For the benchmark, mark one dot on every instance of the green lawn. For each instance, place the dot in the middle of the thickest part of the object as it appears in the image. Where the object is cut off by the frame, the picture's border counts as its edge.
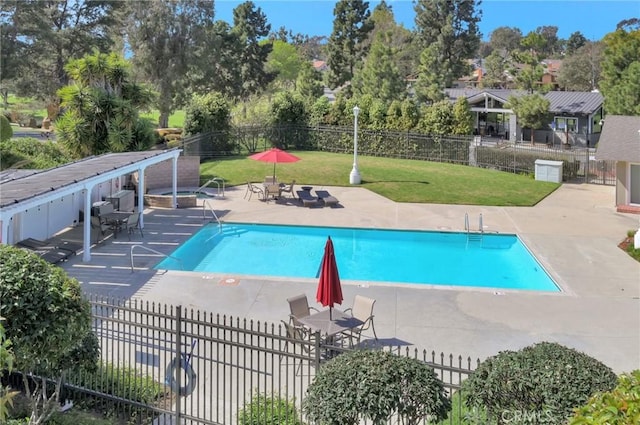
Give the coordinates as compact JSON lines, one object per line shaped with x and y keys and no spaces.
{"x":175,"y":120}
{"x":397,"y":179}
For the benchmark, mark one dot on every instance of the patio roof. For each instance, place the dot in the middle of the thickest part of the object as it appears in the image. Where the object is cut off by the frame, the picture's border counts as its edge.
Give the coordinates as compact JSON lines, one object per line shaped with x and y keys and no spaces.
{"x":21,"y":189}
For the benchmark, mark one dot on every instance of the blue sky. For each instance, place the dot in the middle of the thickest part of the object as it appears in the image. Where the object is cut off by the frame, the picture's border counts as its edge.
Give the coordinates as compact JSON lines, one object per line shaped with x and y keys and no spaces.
{"x":593,"y":18}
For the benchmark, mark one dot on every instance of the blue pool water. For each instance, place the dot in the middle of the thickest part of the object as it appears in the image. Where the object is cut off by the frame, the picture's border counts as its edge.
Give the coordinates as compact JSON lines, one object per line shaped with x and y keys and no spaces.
{"x":417,"y":257}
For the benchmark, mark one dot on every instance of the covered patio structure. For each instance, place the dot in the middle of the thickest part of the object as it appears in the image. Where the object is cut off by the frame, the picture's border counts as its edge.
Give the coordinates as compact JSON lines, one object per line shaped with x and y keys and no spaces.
{"x":41,"y":203}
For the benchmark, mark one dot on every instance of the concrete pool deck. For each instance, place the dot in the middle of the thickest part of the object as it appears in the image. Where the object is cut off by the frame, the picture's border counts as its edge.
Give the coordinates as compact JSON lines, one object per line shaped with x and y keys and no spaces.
{"x":574,"y":234}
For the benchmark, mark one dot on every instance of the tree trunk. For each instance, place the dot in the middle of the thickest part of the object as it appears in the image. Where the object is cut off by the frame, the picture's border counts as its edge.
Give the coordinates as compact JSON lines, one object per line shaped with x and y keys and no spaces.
{"x":5,"y":98}
{"x":163,"y":120}
{"x":532,"y":134}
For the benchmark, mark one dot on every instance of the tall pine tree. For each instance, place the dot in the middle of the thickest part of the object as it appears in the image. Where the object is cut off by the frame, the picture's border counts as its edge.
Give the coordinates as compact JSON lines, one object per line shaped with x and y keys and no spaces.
{"x":448,"y":33}
{"x":379,"y":77}
{"x":345,"y":48}
{"x":250,"y":25}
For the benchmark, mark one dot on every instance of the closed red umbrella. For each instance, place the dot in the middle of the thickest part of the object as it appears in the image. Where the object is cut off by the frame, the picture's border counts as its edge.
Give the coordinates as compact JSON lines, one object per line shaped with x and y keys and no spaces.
{"x":329,"y":288}
{"x":276,"y":156}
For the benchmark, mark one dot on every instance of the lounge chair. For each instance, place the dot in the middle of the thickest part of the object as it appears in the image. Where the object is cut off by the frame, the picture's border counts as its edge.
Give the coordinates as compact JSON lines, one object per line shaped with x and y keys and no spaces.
{"x":251,"y":189}
{"x":299,"y":307}
{"x":62,"y":245}
{"x":50,"y":254}
{"x":362,"y":310}
{"x":306,"y":198}
{"x":326,"y":197}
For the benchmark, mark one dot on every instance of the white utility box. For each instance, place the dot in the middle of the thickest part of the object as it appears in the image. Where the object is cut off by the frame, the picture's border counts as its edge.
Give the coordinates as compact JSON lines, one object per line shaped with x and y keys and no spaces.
{"x":123,"y":200}
{"x":549,"y":171}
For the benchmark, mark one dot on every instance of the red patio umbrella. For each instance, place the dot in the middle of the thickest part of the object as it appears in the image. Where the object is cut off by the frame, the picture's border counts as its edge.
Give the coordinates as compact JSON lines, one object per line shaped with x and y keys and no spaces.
{"x":276,"y":156}
{"x":329,"y":288}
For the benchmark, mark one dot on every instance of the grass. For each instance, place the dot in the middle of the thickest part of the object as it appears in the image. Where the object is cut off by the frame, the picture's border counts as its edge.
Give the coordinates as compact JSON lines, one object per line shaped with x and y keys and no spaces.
{"x":175,"y":120}
{"x":30,"y":107}
{"x":397,"y":179}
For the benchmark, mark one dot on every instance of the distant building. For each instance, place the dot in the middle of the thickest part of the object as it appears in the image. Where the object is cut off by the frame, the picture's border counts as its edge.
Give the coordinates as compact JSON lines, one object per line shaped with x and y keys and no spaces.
{"x":575,"y":117}
{"x":320,"y":65}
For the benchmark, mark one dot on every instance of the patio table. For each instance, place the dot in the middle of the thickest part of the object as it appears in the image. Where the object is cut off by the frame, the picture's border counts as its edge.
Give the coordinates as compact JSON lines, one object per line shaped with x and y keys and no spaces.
{"x":116,"y":219}
{"x":339,"y":322}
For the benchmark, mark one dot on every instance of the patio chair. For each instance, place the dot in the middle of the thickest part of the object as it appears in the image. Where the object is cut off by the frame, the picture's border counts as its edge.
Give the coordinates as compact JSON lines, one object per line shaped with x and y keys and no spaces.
{"x":288,"y":188}
{"x":362,"y":310}
{"x":100,"y":226}
{"x":133,"y":223}
{"x":251,"y":189}
{"x":270,"y":180}
{"x":299,"y":307}
{"x":271,"y":191}
{"x":300,"y":339}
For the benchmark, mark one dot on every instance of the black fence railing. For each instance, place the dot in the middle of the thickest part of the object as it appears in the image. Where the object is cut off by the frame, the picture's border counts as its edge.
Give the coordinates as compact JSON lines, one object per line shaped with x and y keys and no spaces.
{"x":167,"y":364}
{"x":578,"y":163}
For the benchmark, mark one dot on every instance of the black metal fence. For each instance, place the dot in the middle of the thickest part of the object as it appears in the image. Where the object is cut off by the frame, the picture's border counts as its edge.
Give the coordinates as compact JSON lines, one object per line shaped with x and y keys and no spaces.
{"x":164,"y":364}
{"x":579,"y":163}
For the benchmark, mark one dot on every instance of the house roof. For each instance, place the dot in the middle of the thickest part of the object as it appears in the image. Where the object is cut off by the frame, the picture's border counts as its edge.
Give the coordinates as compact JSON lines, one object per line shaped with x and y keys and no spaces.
{"x":561,"y":102}
{"x":574,"y":102}
{"x":620,"y":139}
{"x":31,"y":186}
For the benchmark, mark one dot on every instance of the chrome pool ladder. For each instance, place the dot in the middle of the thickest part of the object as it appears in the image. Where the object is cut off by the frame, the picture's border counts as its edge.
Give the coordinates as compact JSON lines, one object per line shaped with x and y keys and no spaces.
{"x":473,"y":236}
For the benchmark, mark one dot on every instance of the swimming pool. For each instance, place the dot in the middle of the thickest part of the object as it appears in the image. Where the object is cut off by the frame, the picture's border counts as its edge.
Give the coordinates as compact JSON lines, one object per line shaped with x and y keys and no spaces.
{"x":375,"y":255}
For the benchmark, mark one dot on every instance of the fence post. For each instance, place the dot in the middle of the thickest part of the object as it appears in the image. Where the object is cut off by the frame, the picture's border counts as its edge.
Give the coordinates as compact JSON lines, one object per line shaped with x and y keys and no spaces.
{"x":178,"y":409}
{"x":317,"y":350}
{"x":587,"y":165}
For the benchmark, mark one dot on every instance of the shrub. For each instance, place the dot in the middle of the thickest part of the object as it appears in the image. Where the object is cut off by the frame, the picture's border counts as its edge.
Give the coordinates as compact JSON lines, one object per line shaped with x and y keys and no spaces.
{"x":541,"y":383}
{"x":48,"y":322}
{"x":206,"y":114}
{"x":374,"y":385}
{"x":619,"y":406}
{"x":6,"y":132}
{"x":32,"y":153}
{"x":121,"y":381}
{"x":264,"y":409}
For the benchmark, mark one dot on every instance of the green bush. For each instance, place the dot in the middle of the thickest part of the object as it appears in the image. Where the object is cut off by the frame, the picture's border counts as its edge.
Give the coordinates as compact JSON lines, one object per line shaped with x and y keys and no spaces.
{"x":121,"y":382}
{"x":620,"y":406}
{"x":541,"y":383}
{"x":48,"y":322}
{"x":206,"y":114}
{"x":6,"y":132}
{"x":32,"y":153}
{"x":265,"y":409}
{"x":373,"y":385}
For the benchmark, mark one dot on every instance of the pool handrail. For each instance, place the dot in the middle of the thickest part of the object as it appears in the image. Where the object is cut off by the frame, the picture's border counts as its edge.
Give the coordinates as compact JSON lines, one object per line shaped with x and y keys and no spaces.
{"x":205,"y":204}
{"x":217,"y":181}
{"x":155,"y":252}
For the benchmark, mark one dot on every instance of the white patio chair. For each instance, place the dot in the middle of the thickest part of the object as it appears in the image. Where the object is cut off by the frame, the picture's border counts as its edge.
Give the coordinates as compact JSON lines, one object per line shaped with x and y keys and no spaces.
{"x":251,"y":189}
{"x":362,"y":310}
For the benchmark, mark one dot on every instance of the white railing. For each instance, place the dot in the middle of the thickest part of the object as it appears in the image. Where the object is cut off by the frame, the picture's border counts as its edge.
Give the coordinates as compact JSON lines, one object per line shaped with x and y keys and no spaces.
{"x":155,"y":252}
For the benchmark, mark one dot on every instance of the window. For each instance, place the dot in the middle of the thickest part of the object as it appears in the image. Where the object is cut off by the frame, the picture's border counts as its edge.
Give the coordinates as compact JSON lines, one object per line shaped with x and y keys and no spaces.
{"x":568,"y":124}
